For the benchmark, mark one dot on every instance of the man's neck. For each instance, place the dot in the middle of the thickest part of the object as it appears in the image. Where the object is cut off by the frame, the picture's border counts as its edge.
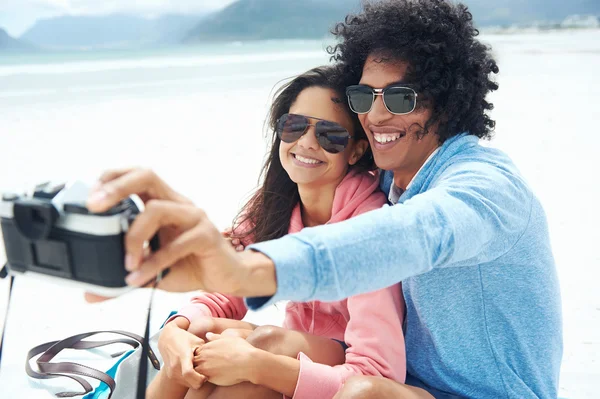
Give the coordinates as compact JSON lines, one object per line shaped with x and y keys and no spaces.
{"x":316,"y":203}
{"x":404,"y":176}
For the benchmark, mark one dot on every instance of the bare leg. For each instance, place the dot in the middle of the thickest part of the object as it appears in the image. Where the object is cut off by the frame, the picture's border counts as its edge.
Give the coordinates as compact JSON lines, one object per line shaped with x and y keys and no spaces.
{"x":287,"y":343}
{"x":218,"y":325}
{"x":227,"y":324}
{"x":281,"y":341}
{"x":202,"y":393}
{"x":379,"y":388}
{"x":163,"y":387}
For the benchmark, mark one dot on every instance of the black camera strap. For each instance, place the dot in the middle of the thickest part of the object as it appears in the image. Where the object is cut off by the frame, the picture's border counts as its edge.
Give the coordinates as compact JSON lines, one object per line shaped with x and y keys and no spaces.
{"x":143,"y":369}
{"x":4,"y":274}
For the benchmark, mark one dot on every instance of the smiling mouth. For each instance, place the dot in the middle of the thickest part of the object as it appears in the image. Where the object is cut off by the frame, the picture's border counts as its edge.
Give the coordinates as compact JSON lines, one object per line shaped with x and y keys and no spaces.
{"x":388,"y":138}
{"x":306,"y":160}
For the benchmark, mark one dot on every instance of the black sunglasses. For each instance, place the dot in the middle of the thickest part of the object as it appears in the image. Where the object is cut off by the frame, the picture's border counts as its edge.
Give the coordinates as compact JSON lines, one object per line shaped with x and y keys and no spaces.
{"x":398,"y":99}
{"x":332,"y":137}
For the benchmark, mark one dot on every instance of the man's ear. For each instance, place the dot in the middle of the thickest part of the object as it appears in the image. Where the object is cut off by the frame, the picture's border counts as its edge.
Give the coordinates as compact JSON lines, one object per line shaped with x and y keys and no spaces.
{"x":360,"y":147}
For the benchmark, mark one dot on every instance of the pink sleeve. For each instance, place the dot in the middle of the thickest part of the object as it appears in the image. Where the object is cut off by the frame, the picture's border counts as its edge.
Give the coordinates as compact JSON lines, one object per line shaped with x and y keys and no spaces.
{"x":214,"y":305}
{"x":376,"y":346}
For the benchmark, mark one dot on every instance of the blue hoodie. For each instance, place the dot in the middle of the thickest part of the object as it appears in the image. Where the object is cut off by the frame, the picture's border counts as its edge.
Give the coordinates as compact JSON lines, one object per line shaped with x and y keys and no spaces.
{"x":470,"y":243}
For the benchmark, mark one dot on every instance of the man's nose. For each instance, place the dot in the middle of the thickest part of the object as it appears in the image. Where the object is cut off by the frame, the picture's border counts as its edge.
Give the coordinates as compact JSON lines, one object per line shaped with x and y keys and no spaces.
{"x":379,"y":113}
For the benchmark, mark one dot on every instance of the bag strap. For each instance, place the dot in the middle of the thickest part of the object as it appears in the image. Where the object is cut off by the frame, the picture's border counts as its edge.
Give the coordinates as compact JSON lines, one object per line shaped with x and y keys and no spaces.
{"x":50,"y":350}
{"x":76,"y":342}
{"x":65,"y":370}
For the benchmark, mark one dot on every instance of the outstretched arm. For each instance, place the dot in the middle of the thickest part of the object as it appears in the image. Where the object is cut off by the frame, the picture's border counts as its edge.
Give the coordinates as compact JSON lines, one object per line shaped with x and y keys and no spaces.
{"x":474,"y":213}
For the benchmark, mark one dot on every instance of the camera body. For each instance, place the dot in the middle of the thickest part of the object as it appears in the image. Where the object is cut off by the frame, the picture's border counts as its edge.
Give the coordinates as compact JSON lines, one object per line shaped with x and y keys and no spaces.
{"x":51,"y":234}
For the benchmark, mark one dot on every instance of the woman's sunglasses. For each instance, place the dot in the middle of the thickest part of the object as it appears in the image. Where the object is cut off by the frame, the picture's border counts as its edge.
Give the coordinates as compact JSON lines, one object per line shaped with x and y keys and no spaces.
{"x":399,"y":100}
{"x":332,"y":137}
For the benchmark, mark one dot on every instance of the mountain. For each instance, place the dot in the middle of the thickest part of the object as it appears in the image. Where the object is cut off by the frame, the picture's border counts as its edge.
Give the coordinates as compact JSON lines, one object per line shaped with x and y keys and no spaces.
{"x":8,"y":43}
{"x":283,"y":19}
{"x":272,"y":19}
{"x":109,"y":31}
{"x":267,"y":19}
{"x":519,"y":12}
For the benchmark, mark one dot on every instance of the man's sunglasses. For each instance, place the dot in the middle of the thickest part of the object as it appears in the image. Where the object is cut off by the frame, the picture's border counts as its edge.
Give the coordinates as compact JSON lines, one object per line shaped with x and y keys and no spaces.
{"x":332,"y":137}
{"x":398,"y":99}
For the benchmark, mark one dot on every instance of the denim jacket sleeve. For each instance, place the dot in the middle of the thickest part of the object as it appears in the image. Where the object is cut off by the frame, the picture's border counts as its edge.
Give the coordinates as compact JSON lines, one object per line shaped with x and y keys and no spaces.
{"x":472,"y":213}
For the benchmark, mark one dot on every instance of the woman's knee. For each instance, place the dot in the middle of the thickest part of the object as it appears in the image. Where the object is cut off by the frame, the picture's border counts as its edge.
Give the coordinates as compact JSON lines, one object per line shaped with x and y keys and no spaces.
{"x":359,"y":387}
{"x":268,"y":338}
{"x":236,"y":332}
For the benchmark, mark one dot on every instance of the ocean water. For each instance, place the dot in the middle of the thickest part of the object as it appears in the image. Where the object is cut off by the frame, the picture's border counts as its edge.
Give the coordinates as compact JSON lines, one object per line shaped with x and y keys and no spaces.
{"x":197,"y":116}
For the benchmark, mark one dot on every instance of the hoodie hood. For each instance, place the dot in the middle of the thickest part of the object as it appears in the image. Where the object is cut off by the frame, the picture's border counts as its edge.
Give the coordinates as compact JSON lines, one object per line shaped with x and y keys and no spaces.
{"x":352,"y":196}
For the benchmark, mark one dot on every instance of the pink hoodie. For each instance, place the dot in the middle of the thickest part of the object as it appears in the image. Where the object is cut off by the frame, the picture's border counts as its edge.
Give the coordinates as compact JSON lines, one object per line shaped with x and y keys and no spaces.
{"x":370,"y":324}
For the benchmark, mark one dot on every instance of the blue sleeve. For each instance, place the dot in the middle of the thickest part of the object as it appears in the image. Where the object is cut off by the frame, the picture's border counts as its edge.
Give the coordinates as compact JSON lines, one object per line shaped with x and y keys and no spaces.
{"x":473,"y":213}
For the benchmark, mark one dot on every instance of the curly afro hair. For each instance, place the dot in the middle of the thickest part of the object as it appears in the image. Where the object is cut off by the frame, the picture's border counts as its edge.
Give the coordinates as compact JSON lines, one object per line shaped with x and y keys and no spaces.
{"x":447,"y":65}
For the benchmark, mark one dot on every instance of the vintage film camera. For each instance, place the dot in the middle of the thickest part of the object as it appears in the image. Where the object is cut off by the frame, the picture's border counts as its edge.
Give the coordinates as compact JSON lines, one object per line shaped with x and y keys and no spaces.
{"x":50,"y":234}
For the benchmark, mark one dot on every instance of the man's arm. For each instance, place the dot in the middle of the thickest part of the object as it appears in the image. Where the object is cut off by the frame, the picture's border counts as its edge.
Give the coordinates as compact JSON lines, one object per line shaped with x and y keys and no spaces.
{"x":473,"y":214}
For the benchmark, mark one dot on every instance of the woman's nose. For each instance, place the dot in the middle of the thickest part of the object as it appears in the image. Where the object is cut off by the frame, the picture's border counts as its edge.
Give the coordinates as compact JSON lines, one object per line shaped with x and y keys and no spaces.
{"x":309,"y":139}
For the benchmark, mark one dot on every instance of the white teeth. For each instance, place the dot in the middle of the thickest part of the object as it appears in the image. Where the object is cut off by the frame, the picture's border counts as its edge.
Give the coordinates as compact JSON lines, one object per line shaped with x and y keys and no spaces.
{"x":386,"y":138}
{"x":307,"y":160}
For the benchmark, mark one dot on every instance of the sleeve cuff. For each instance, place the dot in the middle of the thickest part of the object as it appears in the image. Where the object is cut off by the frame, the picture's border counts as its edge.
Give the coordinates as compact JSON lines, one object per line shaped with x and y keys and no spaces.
{"x":191,"y":311}
{"x":316,"y":380}
{"x":295,"y":271}
{"x":194,"y":310}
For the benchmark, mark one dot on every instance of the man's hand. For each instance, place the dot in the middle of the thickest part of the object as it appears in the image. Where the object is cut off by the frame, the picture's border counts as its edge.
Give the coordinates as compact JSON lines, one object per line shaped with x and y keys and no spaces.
{"x":235,"y":242}
{"x":196,"y":252}
{"x":225,"y":360}
{"x":177,"y":346}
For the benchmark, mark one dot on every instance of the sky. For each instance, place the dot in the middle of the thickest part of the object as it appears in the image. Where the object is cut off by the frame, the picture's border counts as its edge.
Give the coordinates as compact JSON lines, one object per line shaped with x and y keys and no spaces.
{"x":16,"y":16}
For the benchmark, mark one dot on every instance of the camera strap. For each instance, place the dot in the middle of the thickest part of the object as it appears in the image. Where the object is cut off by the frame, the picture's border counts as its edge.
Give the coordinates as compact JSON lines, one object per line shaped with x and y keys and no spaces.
{"x":4,"y":274}
{"x":143,"y":369}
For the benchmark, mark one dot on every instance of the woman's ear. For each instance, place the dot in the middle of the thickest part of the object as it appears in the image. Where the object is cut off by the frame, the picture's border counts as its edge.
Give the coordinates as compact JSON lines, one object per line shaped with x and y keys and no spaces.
{"x":360,"y":147}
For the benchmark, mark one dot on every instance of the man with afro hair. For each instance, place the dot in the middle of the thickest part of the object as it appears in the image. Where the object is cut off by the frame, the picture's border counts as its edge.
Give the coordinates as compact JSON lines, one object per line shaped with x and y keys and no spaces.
{"x":466,"y":235}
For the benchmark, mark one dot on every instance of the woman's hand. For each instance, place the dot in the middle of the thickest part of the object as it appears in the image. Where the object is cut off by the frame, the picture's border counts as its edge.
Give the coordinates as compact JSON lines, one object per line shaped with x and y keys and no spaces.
{"x":196,"y":252}
{"x":200,"y":325}
{"x":177,"y":347}
{"x":226,"y":360}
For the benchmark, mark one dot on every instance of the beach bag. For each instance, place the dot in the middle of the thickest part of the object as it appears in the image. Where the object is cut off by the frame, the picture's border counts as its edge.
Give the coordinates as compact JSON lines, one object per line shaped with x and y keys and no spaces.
{"x":123,"y":379}
{"x":126,"y":375}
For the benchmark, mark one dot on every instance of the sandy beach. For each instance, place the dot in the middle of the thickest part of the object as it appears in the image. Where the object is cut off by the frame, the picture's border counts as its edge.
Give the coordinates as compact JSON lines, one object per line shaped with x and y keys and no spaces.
{"x":199,"y":122}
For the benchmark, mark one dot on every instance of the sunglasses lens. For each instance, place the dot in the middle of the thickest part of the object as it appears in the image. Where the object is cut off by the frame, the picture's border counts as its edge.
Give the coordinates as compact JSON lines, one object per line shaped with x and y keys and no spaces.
{"x":360,"y":99}
{"x":291,"y":127}
{"x":400,"y":100}
{"x":333,"y":138}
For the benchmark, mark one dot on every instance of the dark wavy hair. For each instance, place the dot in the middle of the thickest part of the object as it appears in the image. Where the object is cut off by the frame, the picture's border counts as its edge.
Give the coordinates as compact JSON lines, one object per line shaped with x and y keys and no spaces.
{"x":447,"y":65}
{"x":267,"y":214}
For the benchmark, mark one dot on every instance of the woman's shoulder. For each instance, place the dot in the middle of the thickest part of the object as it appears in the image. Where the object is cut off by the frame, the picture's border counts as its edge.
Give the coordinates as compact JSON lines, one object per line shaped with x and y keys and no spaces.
{"x":360,"y":190}
{"x":376,"y":200}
